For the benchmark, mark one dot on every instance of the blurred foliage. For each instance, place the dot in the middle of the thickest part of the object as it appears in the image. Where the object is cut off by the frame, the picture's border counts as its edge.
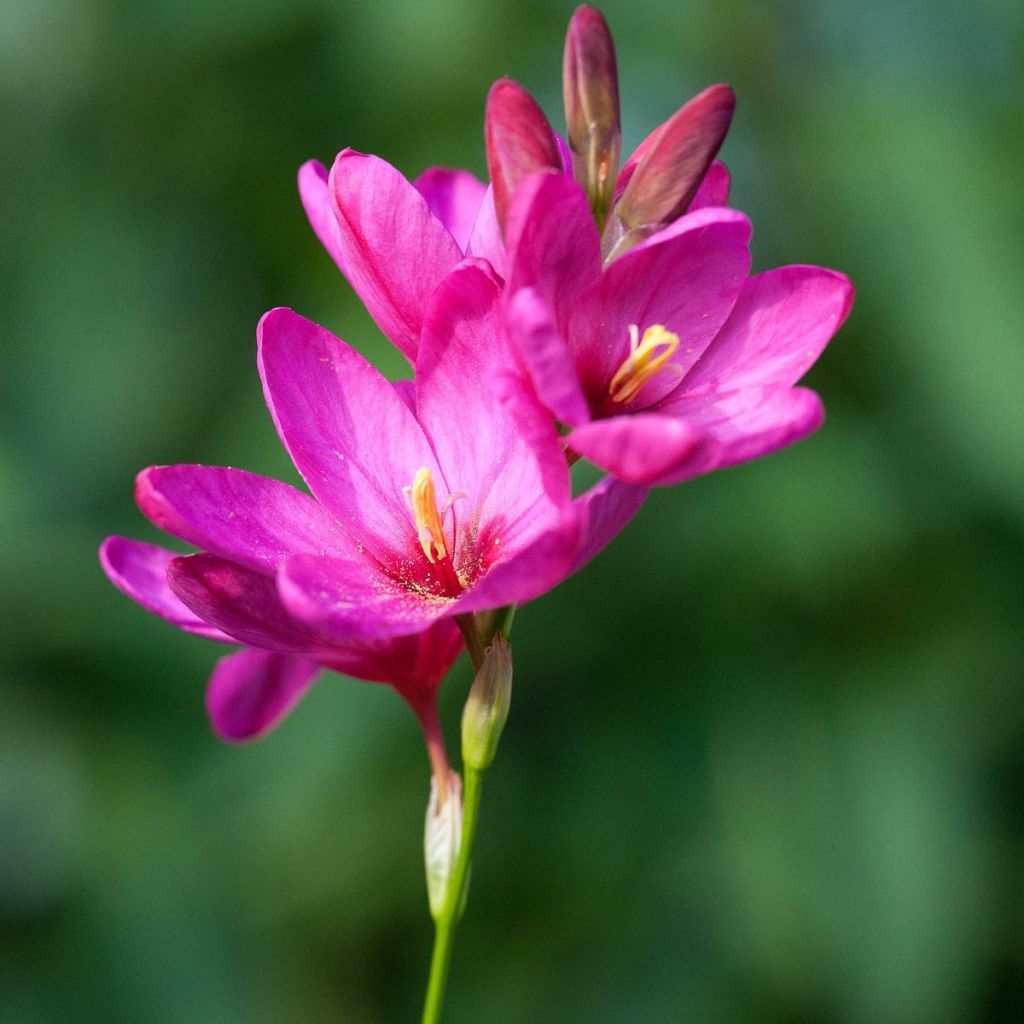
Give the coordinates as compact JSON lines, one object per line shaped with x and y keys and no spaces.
{"x":765,"y":757}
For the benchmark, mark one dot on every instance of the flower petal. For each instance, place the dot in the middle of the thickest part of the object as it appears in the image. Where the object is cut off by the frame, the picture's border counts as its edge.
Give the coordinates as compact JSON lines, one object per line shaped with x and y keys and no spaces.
{"x":686,"y":278}
{"x":316,"y":201}
{"x":781,"y":322}
{"x":742,"y":425}
{"x":355,"y":442}
{"x":340,"y":598}
{"x":140,"y":571}
{"x":251,"y":692}
{"x":639,"y":448}
{"x":485,"y":240}
{"x":543,"y":349}
{"x":394,"y":250}
{"x":249,"y":519}
{"x":714,"y":189}
{"x":533,"y":570}
{"x":514,"y":485}
{"x":553,"y":245}
{"x":606,"y":509}
{"x":454,"y":198}
{"x":244,"y":604}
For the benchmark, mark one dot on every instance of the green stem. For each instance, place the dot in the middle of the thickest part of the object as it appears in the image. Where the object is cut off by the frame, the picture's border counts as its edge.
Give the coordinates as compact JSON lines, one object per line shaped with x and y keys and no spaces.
{"x":470,"y":633}
{"x":455,"y":900}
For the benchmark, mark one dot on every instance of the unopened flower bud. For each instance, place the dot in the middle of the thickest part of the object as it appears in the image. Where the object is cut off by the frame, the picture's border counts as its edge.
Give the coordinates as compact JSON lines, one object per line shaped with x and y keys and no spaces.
{"x":675,"y":160}
{"x":442,"y":837}
{"x":483,"y":717}
{"x":590,"y":86}
{"x":519,"y":141}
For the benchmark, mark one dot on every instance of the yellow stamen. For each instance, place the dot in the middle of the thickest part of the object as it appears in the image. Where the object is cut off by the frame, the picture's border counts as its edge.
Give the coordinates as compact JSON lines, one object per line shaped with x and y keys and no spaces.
{"x":646,"y":357}
{"x":423,"y":499}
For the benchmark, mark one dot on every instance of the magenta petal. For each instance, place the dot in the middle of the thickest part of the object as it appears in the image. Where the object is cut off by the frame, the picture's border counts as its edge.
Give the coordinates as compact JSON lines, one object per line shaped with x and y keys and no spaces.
{"x":532,"y":331}
{"x":251,"y":692}
{"x":535,"y":568}
{"x":406,"y":391}
{"x":140,"y":571}
{"x":517,"y":397}
{"x":355,"y":442}
{"x":639,"y":448}
{"x":454,"y":198}
{"x":553,"y":245}
{"x":350,"y":604}
{"x":714,"y":189}
{"x":605,"y":510}
{"x":394,"y":249}
{"x":509,"y":479}
{"x":244,"y":604}
{"x":485,"y":240}
{"x":743,"y":425}
{"x":777,"y":329}
{"x":316,"y":201}
{"x":249,"y":519}
{"x":686,"y":278}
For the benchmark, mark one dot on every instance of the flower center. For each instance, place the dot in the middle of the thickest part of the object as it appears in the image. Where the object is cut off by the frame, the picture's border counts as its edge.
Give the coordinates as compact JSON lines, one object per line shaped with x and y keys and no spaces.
{"x":647,"y":355}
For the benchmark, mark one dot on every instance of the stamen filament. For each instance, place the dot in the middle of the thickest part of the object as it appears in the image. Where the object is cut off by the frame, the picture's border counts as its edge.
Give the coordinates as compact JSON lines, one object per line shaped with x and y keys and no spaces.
{"x":646,"y":357}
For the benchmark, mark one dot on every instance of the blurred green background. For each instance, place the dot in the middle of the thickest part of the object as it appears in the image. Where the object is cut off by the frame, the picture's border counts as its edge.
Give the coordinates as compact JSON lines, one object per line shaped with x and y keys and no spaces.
{"x":766,"y":756}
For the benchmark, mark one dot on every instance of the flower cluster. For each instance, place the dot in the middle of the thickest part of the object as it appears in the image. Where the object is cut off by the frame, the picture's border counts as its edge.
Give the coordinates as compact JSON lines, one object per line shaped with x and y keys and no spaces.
{"x":571,"y":309}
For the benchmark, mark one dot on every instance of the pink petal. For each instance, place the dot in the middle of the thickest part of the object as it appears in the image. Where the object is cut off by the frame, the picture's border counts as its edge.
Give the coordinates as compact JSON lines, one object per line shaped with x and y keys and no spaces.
{"x":606,"y":510}
{"x":777,"y":329}
{"x":714,"y":189}
{"x":517,"y":397}
{"x":535,"y":568}
{"x":249,"y":519}
{"x":244,"y":604}
{"x":553,"y":245}
{"x":743,"y":425}
{"x":639,"y":448}
{"x":512,"y":484}
{"x":343,"y":600}
{"x":454,"y":198}
{"x":140,"y":571}
{"x":316,"y":201}
{"x":686,"y":278}
{"x":532,"y":331}
{"x":486,"y":241}
{"x":251,"y":692}
{"x":393,"y":248}
{"x":406,"y":391}
{"x":355,"y":442}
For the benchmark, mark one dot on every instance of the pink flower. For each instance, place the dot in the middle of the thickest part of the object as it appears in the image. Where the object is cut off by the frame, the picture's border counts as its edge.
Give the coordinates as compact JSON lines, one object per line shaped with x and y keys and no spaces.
{"x":449,"y":509}
{"x":426,"y":504}
{"x":668,"y":361}
{"x":250,"y":692}
{"x":395,"y":240}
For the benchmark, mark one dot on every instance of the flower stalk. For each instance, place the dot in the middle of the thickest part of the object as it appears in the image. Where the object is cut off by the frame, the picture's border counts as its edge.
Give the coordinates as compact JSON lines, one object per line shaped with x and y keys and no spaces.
{"x":448,"y":838}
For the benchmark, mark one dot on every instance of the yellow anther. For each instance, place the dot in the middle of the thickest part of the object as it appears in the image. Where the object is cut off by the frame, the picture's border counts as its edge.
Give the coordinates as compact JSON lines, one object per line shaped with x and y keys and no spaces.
{"x":647,"y":355}
{"x":423,"y":499}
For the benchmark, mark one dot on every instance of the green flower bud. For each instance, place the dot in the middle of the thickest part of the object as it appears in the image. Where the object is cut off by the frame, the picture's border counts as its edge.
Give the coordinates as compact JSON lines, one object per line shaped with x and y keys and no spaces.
{"x":442,"y":837}
{"x":486,"y":708}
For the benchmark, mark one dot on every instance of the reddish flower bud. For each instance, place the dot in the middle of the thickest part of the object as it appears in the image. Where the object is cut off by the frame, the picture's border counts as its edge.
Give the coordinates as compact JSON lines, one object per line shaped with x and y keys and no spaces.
{"x":519,"y":141}
{"x":674,"y":163}
{"x":590,"y":86}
